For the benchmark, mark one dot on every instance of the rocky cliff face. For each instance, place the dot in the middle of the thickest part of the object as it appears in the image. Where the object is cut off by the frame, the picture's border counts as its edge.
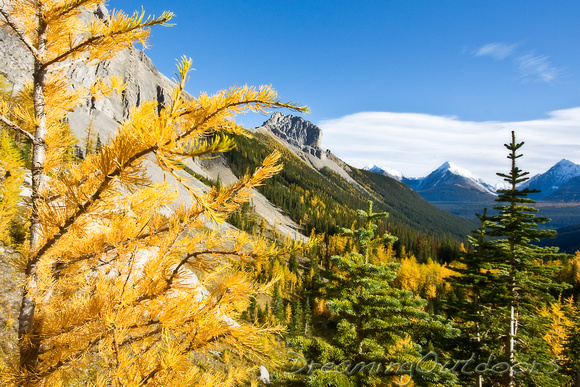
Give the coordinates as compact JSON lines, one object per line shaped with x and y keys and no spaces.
{"x":143,"y":82}
{"x":296,"y":131}
{"x":303,"y":138}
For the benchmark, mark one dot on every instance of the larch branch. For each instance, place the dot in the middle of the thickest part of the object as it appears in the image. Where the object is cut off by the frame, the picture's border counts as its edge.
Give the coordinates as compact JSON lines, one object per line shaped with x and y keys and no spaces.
{"x":110,"y":34}
{"x":64,"y":265}
{"x":21,"y":35}
{"x":72,"y":50}
{"x":82,"y":209}
{"x":102,"y":187}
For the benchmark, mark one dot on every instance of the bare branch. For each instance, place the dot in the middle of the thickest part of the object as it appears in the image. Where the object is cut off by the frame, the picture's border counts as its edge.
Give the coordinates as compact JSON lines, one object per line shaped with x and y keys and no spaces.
{"x":195,"y":254}
{"x":66,"y":65}
{"x":16,"y":128}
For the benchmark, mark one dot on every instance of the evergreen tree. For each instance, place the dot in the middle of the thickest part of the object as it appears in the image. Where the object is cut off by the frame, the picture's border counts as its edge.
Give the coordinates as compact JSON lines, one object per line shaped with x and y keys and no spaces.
{"x":295,"y":326}
{"x":293,"y":264}
{"x":277,"y":303}
{"x":78,"y":152}
{"x":307,"y":316}
{"x":376,"y":322}
{"x":521,"y":278}
{"x":98,"y":144}
{"x":571,"y":351}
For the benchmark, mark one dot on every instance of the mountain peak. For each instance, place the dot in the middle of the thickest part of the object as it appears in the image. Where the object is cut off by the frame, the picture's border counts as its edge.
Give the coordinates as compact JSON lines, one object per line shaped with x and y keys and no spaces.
{"x":565,"y":163}
{"x":296,"y":131}
{"x":456,"y":170}
{"x":449,"y":174}
{"x":385,"y":171}
{"x":446,"y":165}
{"x":551,"y":180}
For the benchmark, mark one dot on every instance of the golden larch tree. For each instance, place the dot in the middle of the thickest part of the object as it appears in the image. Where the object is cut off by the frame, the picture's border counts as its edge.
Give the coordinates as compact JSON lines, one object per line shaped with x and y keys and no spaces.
{"x":123,"y":285}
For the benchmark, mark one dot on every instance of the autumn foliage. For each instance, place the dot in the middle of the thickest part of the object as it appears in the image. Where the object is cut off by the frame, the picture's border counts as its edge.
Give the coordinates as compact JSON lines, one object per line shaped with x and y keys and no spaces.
{"x":125,"y":285}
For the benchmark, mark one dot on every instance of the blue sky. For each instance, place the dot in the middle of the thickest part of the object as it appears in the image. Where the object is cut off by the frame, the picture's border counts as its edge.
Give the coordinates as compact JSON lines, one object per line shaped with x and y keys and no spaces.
{"x":402,"y":84}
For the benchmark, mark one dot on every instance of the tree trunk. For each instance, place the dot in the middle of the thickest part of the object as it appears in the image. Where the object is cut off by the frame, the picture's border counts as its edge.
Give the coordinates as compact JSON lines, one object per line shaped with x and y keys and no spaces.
{"x":359,"y":336}
{"x":29,"y":348}
{"x":511,"y":345}
{"x":479,"y":377}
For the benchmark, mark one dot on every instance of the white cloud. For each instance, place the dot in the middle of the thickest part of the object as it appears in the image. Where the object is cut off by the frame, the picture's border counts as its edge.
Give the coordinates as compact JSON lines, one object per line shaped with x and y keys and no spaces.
{"x":415,"y":144}
{"x":531,"y":67}
{"x":498,"y":51}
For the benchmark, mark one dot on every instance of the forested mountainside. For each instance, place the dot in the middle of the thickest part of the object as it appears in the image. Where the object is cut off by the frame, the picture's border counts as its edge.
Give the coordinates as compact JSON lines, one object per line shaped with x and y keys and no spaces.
{"x":323,"y":201}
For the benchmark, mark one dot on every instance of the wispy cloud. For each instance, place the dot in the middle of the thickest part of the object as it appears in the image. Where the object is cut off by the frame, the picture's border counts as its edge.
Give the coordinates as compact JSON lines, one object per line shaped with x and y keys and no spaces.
{"x":415,"y":144}
{"x":498,"y":51}
{"x":534,"y":67}
{"x":531,"y":67}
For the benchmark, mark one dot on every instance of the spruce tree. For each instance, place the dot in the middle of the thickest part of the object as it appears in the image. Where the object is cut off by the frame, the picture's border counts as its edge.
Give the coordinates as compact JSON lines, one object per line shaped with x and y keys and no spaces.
{"x":98,"y":144}
{"x":293,"y":264}
{"x":571,"y":362}
{"x":523,"y":278}
{"x":377,"y":322}
{"x":277,"y":303}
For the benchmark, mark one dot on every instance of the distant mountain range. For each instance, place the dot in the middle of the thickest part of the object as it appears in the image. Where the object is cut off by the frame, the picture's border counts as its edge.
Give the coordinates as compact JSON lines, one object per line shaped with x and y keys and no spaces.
{"x":460,"y":192}
{"x":449,"y":187}
{"x":561,"y":183}
{"x":447,"y":174}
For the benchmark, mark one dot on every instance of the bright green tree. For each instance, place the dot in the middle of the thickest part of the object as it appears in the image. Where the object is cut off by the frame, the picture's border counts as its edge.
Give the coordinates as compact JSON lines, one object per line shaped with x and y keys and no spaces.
{"x":522,"y":276}
{"x":376,"y":323}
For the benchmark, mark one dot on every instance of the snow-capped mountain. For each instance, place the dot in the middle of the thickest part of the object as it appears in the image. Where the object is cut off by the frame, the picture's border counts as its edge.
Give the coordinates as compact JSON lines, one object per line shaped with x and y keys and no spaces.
{"x":451,"y":174}
{"x":460,"y":192}
{"x":449,"y":187}
{"x":563,"y":176}
{"x":385,"y":171}
{"x":447,"y":174}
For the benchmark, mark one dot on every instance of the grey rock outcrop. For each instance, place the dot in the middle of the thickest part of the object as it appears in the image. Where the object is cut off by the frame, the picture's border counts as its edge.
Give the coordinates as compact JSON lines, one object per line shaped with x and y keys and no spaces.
{"x":297,"y":132}
{"x":303,"y":139}
{"x":143,"y":83}
{"x":264,"y":375}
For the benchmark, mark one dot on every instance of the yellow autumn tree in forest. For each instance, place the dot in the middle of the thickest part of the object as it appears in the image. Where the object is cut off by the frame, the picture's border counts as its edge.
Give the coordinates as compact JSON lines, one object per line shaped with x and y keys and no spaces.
{"x":118,"y":289}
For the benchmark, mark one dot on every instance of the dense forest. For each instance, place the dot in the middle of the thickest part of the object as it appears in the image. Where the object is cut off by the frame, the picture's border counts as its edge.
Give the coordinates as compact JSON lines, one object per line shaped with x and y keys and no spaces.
{"x":324,"y":202}
{"x":358,"y":313}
